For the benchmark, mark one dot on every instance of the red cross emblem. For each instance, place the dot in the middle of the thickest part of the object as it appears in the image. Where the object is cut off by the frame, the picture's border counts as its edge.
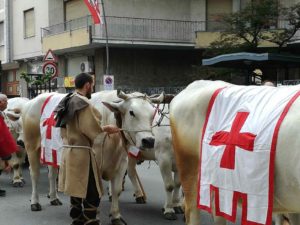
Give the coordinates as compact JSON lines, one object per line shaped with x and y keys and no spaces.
{"x":232,"y":139}
{"x":50,"y":122}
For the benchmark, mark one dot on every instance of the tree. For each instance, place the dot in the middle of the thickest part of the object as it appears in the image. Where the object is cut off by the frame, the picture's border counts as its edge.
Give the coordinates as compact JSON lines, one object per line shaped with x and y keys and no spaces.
{"x":291,"y":18}
{"x":40,"y":80}
{"x":256,"y":22}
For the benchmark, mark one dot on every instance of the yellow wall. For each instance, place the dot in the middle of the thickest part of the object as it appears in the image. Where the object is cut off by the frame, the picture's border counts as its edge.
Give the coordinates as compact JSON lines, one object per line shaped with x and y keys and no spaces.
{"x":71,"y":39}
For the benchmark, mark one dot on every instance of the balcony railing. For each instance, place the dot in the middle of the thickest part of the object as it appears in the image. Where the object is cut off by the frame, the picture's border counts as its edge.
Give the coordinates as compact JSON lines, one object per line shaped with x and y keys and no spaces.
{"x":128,"y":29}
{"x":142,"y":29}
{"x":68,"y":26}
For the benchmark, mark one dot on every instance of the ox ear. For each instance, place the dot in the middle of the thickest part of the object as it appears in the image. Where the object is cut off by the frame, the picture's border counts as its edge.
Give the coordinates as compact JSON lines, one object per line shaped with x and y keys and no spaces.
{"x":158,"y":99}
{"x":112,"y":106}
{"x":122,"y":94}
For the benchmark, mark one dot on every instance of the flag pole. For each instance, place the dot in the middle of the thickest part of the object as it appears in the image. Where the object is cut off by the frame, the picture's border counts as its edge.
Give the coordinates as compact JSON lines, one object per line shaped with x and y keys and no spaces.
{"x":106,"y":37}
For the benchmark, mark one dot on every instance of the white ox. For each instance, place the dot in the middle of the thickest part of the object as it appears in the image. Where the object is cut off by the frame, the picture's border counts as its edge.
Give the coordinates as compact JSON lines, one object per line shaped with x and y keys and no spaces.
{"x":187,"y":114}
{"x":110,"y":152}
{"x":164,"y":155}
{"x":14,"y":122}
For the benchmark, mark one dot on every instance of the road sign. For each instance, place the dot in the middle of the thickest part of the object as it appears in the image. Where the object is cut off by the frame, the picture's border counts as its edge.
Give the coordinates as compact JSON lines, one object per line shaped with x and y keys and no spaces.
{"x":50,"y":68}
{"x":50,"y":56}
{"x":108,"y":82}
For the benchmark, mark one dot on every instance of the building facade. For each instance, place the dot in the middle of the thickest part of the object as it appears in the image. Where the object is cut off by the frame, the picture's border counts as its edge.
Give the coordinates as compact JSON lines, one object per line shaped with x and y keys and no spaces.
{"x":153,"y":45}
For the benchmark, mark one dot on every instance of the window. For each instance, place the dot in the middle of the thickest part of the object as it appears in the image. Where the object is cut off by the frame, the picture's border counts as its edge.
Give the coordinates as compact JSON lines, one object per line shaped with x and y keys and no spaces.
{"x":75,"y":9}
{"x":29,"y":23}
{"x":1,"y":33}
{"x":10,"y":77}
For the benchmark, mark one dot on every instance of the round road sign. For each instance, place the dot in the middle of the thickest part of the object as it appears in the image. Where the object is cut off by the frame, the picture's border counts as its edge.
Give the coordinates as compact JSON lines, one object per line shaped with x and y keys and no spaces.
{"x":50,"y":68}
{"x":108,"y":80}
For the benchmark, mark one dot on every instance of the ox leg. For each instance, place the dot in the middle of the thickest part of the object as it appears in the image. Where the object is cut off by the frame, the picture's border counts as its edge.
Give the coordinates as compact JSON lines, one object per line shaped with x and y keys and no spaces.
{"x":189,"y":185}
{"x":34,"y":161}
{"x":52,"y":177}
{"x":217,"y":219}
{"x":109,"y":191}
{"x":16,"y":163}
{"x":294,"y":219}
{"x":177,"y":204}
{"x":116,"y":189}
{"x":278,"y":219}
{"x":165,"y":167}
{"x":132,"y":174}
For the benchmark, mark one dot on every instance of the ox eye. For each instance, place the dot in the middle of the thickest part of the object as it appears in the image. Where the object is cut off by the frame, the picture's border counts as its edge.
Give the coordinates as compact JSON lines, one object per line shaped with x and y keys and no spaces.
{"x":131,"y":113}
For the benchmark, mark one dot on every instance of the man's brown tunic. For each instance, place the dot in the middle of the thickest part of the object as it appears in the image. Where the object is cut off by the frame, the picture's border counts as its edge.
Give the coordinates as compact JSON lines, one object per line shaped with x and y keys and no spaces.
{"x":81,"y":130}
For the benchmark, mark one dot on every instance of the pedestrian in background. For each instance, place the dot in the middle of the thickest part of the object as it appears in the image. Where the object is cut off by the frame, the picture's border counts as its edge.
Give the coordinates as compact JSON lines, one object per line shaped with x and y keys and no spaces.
{"x":7,"y":142}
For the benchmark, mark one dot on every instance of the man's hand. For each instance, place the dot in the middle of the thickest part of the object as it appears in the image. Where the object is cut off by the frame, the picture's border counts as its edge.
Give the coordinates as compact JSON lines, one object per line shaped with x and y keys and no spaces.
{"x":111,"y":129}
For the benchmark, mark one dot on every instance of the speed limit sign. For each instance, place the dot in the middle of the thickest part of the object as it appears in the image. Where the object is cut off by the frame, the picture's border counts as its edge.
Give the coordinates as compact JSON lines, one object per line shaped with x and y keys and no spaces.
{"x":50,"y":68}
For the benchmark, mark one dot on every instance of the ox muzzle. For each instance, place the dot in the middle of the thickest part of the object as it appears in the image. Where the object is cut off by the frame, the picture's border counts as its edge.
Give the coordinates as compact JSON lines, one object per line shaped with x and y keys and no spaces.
{"x":148,"y":142}
{"x":21,"y":143}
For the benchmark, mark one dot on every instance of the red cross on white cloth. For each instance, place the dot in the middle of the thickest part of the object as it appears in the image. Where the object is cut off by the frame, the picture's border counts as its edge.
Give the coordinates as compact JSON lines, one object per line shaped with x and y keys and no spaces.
{"x":51,"y":142}
{"x":232,"y":139}
{"x":49,"y":123}
{"x":237,"y":151}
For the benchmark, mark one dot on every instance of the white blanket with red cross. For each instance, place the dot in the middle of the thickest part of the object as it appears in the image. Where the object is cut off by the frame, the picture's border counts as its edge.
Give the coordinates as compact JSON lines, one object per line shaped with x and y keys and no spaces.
{"x":238,"y":150}
{"x":51,"y":141}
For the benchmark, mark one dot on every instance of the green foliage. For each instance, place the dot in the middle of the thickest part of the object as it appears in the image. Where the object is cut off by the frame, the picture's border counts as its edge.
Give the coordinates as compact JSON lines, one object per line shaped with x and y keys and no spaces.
{"x":225,"y":74}
{"x":256,"y":22}
{"x":291,"y":18}
{"x":39,"y":80}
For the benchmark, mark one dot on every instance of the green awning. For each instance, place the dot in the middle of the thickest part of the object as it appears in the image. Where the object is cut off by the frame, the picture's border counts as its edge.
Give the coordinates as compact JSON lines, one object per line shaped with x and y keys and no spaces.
{"x":246,"y":60}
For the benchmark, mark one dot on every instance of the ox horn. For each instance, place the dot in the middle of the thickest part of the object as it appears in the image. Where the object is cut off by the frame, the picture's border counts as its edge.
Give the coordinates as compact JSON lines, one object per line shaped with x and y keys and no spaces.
{"x":122,"y":95}
{"x":158,"y":99}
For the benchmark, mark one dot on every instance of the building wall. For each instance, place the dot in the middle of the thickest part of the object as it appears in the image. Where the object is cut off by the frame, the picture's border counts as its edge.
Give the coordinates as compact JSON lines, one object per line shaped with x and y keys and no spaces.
{"x":155,"y":9}
{"x":56,"y":11}
{"x":28,"y":47}
{"x":2,"y":19}
{"x":151,"y":67}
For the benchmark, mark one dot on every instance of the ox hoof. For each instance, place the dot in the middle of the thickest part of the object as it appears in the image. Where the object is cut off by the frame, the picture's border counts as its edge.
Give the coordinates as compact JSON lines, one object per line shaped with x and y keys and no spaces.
{"x":140,"y":200}
{"x":118,"y":221}
{"x":178,"y":210}
{"x":36,"y":207}
{"x":18,"y":184}
{"x":170,"y":216}
{"x":56,"y":202}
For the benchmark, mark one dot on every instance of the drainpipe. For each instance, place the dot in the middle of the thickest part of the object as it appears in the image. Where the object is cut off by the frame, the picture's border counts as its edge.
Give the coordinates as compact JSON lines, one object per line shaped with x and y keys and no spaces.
{"x":7,"y":31}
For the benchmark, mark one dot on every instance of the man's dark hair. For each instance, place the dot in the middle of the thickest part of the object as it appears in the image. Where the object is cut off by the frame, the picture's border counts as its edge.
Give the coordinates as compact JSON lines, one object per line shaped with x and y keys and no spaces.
{"x":81,"y":79}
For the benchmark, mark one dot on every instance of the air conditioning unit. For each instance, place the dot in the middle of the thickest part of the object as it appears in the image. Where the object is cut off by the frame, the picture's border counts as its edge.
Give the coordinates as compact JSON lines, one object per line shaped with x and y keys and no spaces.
{"x":85,"y":67}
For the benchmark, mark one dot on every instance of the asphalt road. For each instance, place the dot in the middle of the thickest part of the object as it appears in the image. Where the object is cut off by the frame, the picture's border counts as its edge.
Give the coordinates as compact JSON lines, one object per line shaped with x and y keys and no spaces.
{"x":15,"y":207}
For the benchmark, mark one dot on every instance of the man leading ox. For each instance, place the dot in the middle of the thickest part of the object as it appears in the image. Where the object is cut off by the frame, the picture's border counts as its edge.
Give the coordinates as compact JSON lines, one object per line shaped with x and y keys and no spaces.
{"x":80,"y":125}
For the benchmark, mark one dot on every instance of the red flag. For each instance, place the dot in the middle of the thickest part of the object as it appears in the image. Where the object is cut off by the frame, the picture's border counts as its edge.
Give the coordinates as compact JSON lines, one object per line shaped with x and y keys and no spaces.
{"x":7,"y":143}
{"x":93,"y":6}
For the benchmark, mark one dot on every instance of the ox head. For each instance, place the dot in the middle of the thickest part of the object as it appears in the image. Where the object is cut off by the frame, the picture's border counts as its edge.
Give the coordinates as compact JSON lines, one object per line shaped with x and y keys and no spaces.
{"x":14,"y":120}
{"x":136,"y":111}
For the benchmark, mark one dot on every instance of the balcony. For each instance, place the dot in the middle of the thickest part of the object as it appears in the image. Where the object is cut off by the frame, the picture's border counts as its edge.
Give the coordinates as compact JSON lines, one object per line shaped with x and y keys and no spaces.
{"x":70,"y":34}
{"x":121,"y":30}
{"x":148,"y":31}
{"x":212,"y":31}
